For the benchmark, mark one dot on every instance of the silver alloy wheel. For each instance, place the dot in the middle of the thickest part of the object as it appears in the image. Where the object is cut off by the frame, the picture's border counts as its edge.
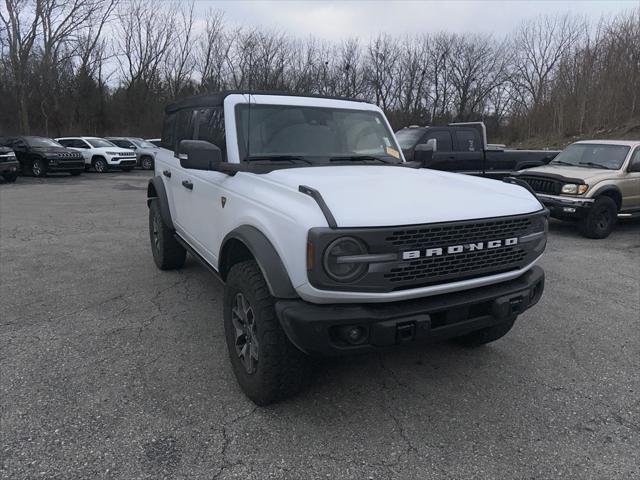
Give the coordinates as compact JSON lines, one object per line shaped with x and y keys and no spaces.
{"x":247,"y":346}
{"x":147,"y":164}
{"x":100,"y":165}
{"x":36,"y":168}
{"x":156,"y":234}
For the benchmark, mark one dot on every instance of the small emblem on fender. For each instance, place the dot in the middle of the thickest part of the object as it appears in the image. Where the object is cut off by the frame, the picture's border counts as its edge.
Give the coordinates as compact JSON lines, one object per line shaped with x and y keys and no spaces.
{"x":223,"y":201}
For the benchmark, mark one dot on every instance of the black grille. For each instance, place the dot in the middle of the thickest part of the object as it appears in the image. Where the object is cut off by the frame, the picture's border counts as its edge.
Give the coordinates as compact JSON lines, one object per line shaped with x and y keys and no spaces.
{"x":443,"y":235}
{"x":460,"y":266}
{"x":543,"y":185}
{"x":476,"y":256}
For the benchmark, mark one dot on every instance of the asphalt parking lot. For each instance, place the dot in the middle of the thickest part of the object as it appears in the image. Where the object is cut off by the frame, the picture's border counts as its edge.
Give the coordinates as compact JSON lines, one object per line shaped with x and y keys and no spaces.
{"x":111,"y":368}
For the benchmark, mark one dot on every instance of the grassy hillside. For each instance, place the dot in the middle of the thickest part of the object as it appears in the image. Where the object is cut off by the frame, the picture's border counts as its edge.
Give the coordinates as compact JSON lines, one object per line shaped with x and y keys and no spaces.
{"x":628,"y":131}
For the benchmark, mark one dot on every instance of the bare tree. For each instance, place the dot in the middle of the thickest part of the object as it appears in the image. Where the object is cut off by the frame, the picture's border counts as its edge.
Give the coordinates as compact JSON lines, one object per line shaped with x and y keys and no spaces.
{"x":21,"y":19}
{"x":180,"y":62}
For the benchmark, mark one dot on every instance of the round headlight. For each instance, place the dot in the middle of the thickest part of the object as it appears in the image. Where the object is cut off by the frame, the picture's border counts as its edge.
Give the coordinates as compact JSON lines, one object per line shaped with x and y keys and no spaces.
{"x":337,"y":264}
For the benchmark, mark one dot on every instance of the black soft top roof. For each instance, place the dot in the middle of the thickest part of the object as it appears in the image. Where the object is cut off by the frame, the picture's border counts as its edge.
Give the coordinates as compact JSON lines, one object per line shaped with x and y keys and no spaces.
{"x":217,"y":99}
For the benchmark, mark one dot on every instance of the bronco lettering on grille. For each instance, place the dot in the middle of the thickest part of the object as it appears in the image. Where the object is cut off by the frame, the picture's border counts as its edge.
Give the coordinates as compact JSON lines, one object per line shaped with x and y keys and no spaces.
{"x":453,"y":249}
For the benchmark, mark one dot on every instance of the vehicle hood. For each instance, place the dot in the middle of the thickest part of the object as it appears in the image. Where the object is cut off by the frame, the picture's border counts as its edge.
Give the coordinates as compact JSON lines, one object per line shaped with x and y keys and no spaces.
{"x":367,"y":195}
{"x":4,"y":150}
{"x":566,"y":172}
{"x":53,"y":150}
{"x":146,"y":151}
{"x":118,"y":150}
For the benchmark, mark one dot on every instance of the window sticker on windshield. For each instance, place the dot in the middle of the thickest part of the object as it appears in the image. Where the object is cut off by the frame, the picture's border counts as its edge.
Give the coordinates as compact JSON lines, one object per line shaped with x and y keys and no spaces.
{"x":393,"y":152}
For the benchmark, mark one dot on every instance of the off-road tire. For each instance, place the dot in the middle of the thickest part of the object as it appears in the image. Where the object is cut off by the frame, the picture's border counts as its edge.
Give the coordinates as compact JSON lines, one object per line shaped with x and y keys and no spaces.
{"x":146,"y":163}
{"x":282,"y":370}
{"x":38,"y":167}
{"x":167,"y":252}
{"x":100,"y":165}
{"x":486,"y":335}
{"x":601,"y":218}
{"x":10,"y":177}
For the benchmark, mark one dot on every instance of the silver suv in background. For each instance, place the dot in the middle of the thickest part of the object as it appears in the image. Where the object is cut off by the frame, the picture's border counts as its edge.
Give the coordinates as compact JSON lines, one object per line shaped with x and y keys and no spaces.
{"x":145,"y":150}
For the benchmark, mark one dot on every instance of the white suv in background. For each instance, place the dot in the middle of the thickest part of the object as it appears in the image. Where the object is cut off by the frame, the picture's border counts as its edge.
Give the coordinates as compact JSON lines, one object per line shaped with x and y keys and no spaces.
{"x":100,"y":154}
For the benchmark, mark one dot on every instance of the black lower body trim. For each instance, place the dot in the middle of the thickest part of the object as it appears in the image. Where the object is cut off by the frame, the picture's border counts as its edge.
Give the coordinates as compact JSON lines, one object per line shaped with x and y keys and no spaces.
{"x":320,"y":329}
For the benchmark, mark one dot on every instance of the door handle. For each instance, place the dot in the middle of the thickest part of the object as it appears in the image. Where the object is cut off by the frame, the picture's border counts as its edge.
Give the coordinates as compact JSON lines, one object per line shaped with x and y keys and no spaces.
{"x":167,"y":173}
{"x":187,"y":184}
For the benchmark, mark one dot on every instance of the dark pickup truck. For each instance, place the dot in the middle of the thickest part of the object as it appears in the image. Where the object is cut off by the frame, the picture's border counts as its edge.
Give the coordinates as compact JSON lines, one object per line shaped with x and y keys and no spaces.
{"x":463,"y":148}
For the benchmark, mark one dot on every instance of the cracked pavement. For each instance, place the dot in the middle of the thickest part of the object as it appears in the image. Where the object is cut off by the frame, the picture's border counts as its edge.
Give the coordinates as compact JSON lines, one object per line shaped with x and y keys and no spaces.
{"x":110,"y":368}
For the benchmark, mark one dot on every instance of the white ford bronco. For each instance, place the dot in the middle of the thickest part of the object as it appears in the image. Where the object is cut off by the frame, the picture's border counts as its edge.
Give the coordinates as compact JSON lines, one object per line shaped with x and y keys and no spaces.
{"x":327,"y":241}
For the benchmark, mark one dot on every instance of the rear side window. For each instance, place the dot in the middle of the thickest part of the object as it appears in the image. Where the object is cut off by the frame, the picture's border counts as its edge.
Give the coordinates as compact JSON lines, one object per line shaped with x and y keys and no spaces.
{"x":185,"y":127}
{"x":467,"y":141}
{"x":209,"y":126}
{"x":168,"y":139}
{"x":443,"y":140}
{"x":66,"y":143}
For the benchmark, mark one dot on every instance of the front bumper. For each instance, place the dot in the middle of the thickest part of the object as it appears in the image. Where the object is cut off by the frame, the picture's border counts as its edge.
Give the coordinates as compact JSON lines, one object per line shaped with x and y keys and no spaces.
{"x":566,"y":207}
{"x":55,"y":165}
{"x":122,"y":162}
{"x":9,"y":167}
{"x":314,"y":328}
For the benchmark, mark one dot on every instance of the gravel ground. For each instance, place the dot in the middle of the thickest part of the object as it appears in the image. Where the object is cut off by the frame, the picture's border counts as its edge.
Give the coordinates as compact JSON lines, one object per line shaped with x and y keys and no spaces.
{"x":111,"y":368}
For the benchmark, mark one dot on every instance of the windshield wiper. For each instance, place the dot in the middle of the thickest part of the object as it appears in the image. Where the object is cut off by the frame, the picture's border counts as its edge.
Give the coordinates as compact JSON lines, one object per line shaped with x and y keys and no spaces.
{"x":595,"y":165}
{"x":358,"y":158}
{"x":560,"y":162}
{"x":276,"y":158}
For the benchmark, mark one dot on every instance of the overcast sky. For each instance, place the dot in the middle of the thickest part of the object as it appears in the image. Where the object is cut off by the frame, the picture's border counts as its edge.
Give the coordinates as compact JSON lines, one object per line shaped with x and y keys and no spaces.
{"x":334,"y":20}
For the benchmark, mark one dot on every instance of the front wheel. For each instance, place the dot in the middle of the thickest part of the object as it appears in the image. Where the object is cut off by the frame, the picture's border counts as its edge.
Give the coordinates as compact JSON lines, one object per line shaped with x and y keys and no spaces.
{"x":146,"y":163}
{"x":486,"y":335}
{"x":601,"y":218}
{"x":100,"y":165}
{"x":267,"y":366}
{"x":38,"y":167}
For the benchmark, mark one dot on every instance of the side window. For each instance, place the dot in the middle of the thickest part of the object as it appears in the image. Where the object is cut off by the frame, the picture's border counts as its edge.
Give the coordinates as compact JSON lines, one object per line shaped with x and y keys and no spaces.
{"x":65,"y":143}
{"x":635,"y":159}
{"x":77,"y":143}
{"x":185,"y":128}
{"x":122,"y":143}
{"x":443,"y":140}
{"x":168,"y":139}
{"x":467,"y":141}
{"x":210,"y":127}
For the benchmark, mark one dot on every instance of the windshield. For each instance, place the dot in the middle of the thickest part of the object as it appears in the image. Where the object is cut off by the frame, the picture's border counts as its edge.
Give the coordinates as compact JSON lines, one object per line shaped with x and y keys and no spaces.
{"x":140,"y":143}
{"x":593,"y":155}
{"x":315,"y":134}
{"x":408,"y":137}
{"x":42,"y":142}
{"x":99,"y":142}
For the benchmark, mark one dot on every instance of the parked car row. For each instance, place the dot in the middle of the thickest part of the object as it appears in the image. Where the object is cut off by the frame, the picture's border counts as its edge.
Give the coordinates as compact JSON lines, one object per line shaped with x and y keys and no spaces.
{"x":37,"y":156}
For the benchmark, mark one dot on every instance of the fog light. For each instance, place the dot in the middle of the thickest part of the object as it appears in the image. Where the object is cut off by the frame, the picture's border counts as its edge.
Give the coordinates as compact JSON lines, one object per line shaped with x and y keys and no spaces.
{"x":568,"y":209}
{"x":353,"y":334}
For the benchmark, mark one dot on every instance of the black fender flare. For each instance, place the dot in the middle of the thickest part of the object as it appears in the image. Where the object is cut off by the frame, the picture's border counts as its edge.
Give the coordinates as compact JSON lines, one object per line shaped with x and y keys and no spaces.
{"x":609,"y":190}
{"x":264,"y":253}
{"x":156,"y":191}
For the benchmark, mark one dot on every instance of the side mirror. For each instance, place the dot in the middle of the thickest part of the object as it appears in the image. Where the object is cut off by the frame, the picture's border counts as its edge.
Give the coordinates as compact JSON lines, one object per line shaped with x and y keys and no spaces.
{"x":423,"y":152}
{"x":199,"y":155}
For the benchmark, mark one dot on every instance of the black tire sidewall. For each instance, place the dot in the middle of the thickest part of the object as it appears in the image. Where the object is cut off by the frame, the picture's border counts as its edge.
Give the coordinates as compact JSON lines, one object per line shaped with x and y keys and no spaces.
{"x":252,"y":384}
{"x":602,"y":205}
